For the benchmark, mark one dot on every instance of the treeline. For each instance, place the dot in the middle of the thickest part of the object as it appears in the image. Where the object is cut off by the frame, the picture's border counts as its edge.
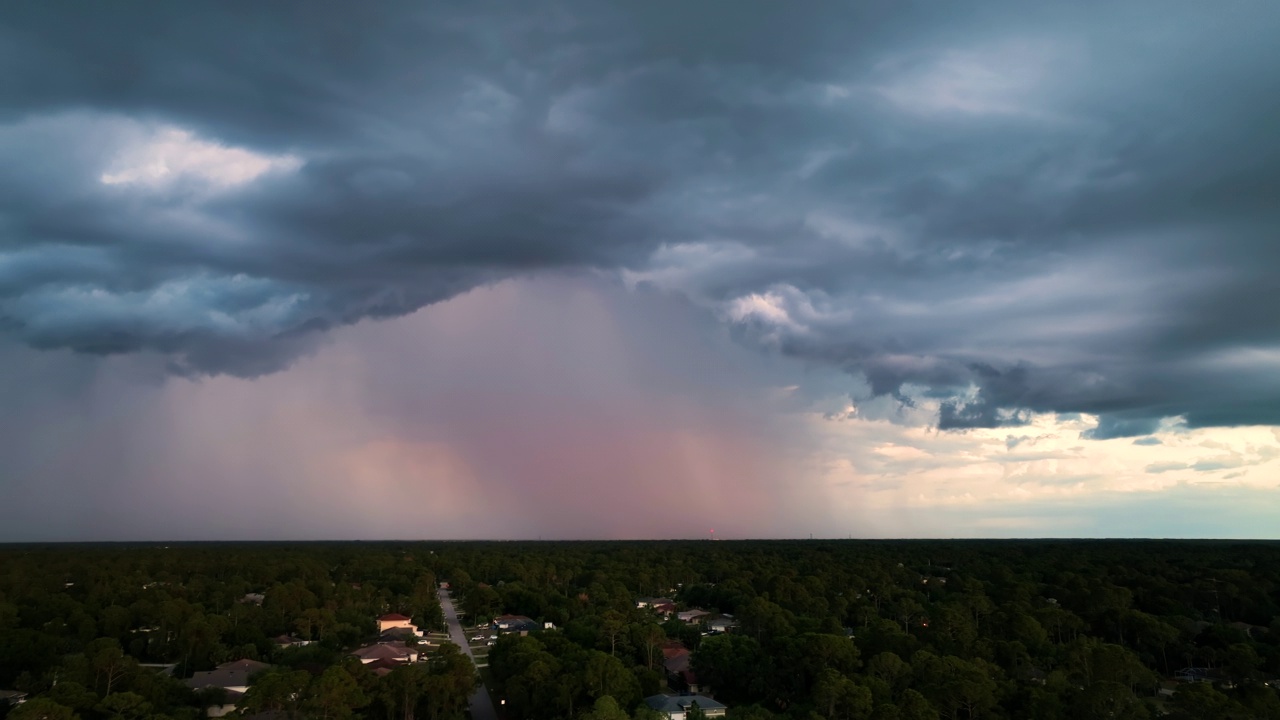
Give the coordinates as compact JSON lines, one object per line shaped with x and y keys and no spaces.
{"x":826,"y":629}
{"x":895,"y":630}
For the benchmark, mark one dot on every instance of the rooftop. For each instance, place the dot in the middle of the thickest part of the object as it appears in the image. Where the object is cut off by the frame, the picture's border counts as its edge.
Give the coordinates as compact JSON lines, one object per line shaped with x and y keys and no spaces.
{"x":232,"y":674}
{"x":384,"y":651}
{"x":681,"y":703}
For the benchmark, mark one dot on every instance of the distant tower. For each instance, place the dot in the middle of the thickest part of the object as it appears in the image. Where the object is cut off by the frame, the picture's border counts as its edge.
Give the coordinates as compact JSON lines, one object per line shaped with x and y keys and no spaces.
{"x":713,"y":533}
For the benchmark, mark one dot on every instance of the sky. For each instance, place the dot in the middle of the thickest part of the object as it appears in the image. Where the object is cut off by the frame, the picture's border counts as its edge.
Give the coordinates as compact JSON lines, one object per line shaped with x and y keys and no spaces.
{"x":639,"y":270}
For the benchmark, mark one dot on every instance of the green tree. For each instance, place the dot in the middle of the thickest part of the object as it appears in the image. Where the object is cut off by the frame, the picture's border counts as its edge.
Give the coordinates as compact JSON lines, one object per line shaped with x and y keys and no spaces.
{"x":335,"y":695}
{"x":612,"y":623}
{"x":124,"y":706}
{"x":451,"y":680}
{"x":73,"y":695}
{"x":41,"y":709}
{"x":404,"y":686}
{"x":1202,"y":701}
{"x":731,"y":665}
{"x":892,"y":670}
{"x":1112,"y":700}
{"x":914,"y":706}
{"x":606,"y":675}
{"x":650,"y":636}
{"x":277,"y":690}
{"x":956,"y":684}
{"x":109,"y":663}
{"x":606,"y":708}
{"x":840,"y":697}
{"x":1090,"y":659}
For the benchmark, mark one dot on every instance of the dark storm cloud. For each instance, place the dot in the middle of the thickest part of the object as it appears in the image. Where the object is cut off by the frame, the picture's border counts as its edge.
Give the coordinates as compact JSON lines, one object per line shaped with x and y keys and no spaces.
{"x":1114,"y":426}
{"x":1067,"y":207}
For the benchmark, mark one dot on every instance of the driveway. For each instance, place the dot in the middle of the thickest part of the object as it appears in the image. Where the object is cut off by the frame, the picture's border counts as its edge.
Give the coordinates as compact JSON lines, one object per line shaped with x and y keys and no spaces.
{"x":481,"y":704}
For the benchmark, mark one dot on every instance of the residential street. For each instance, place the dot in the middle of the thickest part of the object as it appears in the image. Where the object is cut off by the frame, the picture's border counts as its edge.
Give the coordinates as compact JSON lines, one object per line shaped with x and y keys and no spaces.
{"x":481,"y":706}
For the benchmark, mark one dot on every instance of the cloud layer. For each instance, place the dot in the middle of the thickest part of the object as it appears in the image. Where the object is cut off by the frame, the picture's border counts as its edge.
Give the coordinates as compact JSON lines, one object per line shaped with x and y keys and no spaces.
{"x":972,"y":223}
{"x":1053,"y":208}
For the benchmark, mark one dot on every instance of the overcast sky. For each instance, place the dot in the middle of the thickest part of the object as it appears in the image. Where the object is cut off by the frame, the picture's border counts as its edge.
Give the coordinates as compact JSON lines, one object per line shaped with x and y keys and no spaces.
{"x":313,"y":270}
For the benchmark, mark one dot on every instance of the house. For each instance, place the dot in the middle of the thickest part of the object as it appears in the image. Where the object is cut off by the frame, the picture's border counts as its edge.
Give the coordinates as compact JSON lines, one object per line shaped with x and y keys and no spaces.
{"x":232,"y":678}
{"x":680,"y":675}
{"x":1198,"y":674}
{"x":1248,"y":629}
{"x":720,"y":624}
{"x":395,"y":652}
{"x":676,"y":661}
{"x":396,"y":620}
{"x":228,"y":703}
{"x":382,"y":668}
{"x":514,"y":624}
{"x":12,"y":697}
{"x":691,"y":616}
{"x":399,"y":634}
{"x":676,"y":707}
{"x":289,"y":641}
{"x":252,"y":599}
{"x":662,"y":606}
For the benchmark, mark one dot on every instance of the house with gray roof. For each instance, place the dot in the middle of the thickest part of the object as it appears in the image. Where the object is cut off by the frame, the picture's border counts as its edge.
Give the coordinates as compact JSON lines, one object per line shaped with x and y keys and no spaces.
{"x":230,"y":676}
{"x":232,"y":679}
{"x":676,"y":707}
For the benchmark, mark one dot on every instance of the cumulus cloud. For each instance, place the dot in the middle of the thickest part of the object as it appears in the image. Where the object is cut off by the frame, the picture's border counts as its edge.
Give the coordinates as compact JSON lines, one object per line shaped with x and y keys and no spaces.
{"x":172,"y":154}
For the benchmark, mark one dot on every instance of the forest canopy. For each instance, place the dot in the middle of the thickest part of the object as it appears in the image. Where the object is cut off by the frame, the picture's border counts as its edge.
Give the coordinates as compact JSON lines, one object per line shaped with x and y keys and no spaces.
{"x":792,"y":629}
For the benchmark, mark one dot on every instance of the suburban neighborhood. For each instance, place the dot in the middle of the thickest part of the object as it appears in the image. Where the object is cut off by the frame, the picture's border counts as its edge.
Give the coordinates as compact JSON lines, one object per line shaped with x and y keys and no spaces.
{"x":759,"y":631}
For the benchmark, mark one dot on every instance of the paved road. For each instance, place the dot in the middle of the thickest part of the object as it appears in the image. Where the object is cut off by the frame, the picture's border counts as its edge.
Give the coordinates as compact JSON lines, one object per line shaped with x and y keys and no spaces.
{"x":481,"y":704}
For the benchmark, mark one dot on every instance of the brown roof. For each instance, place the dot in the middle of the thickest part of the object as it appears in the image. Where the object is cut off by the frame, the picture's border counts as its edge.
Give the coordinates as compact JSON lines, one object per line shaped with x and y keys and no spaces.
{"x":394,"y":616}
{"x":383,"y":664}
{"x":384,"y":651}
